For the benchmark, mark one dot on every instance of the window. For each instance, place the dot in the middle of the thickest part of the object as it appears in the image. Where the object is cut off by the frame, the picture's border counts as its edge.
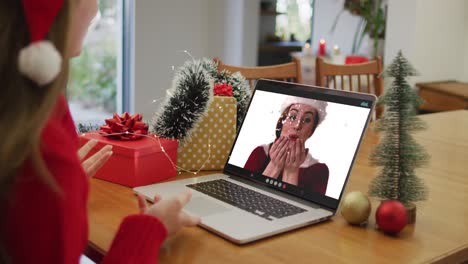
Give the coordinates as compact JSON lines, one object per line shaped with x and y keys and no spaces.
{"x":296,"y":23}
{"x":98,"y":82}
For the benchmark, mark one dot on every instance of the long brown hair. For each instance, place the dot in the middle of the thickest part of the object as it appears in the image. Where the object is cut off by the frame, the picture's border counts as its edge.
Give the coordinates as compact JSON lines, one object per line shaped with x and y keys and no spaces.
{"x":24,"y":106}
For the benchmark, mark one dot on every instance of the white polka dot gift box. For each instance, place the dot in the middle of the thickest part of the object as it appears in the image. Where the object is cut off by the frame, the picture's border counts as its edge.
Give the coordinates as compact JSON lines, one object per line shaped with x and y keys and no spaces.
{"x":212,"y":138}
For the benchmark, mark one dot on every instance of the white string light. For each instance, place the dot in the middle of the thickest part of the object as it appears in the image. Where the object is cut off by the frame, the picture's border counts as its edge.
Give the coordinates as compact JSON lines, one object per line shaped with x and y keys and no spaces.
{"x":155,"y":137}
{"x":188,"y":53}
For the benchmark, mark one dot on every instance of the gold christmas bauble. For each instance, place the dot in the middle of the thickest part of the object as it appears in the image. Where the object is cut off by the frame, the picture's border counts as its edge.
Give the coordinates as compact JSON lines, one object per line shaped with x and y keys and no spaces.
{"x":356,"y":208}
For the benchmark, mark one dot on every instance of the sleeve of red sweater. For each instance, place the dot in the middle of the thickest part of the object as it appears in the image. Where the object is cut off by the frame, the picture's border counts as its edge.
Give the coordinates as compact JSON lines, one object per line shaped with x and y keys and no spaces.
{"x":138,"y":240}
{"x":139,"y":237}
{"x":316,"y":178}
{"x":256,"y":160}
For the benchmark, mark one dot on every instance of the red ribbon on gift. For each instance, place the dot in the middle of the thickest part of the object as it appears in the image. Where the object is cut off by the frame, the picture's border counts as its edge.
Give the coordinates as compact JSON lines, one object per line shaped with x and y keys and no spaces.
{"x":222,"y":89}
{"x":125,"y":127}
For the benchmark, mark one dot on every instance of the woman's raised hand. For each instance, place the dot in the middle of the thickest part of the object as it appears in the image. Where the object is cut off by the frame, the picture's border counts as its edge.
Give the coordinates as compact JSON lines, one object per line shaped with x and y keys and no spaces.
{"x":278,"y":152}
{"x":296,"y":155}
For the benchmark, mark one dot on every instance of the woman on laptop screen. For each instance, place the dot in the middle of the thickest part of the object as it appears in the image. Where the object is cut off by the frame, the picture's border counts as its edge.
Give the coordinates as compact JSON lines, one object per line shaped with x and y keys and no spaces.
{"x":287,"y":159}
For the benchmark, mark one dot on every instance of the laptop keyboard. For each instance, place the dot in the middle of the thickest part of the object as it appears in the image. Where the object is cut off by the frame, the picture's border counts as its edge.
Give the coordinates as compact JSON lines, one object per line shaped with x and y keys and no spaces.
{"x":246,"y":199}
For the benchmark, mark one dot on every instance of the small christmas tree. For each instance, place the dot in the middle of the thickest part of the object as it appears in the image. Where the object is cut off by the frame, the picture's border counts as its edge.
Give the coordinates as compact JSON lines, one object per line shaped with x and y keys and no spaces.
{"x":398,"y":153}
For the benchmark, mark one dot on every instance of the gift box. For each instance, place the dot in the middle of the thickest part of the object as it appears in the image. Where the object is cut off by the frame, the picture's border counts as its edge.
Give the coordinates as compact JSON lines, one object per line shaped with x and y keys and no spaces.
{"x":211,"y":140}
{"x":136,"y":162}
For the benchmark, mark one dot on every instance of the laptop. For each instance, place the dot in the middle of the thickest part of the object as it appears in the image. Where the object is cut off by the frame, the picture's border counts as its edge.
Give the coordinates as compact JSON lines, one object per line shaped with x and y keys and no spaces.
{"x":288,"y":166}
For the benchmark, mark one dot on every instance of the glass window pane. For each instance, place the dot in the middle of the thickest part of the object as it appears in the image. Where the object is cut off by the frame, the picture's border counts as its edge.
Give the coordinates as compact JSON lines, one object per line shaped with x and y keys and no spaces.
{"x":92,"y":88}
{"x":296,"y":21}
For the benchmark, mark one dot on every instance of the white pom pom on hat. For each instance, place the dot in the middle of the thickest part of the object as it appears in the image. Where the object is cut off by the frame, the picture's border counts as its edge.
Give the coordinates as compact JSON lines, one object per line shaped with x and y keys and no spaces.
{"x":40,"y":61}
{"x":321,"y":106}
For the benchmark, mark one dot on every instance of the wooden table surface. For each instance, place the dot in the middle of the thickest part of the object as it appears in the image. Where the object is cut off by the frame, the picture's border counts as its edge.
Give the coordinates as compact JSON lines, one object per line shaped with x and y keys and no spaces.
{"x":440,"y":233}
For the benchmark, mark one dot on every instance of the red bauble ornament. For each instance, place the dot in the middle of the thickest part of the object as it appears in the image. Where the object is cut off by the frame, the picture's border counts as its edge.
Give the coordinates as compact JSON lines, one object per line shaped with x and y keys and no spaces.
{"x":391,"y":216}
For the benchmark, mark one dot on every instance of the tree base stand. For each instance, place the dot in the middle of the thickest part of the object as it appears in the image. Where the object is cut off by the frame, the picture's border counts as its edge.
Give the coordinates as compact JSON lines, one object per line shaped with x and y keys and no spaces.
{"x":411,"y":212}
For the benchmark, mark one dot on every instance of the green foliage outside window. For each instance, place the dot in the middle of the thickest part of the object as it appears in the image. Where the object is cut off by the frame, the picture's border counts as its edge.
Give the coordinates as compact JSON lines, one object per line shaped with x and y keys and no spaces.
{"x":295,"y":19}
{"x":93,"y":77}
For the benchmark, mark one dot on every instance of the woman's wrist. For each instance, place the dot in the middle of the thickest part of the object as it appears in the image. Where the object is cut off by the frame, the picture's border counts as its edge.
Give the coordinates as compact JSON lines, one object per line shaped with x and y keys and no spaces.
{"x":291,"y":175}
{"x":272,"y":170}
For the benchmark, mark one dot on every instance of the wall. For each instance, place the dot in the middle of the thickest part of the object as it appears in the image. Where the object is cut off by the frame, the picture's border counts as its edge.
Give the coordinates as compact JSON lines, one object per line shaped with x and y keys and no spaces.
{"x":233,"y":29}
{"x":205,"y":28}
{"x":432,"y":35}
{"x":400,"y":31}
{"x":250,"y":32}
{"x":162,"y":31}
{"x":464,"y":76}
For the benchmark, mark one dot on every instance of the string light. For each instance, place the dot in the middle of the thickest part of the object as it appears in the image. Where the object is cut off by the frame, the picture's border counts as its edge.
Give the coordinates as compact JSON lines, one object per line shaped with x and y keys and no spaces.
{"x":188,"y":53}
{"x":156,"y":138}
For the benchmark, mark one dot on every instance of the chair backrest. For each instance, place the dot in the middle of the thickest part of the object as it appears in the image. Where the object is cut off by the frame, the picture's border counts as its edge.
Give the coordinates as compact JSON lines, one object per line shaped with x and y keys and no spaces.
{"x":290,"y":72}
{"x":362,"y":77}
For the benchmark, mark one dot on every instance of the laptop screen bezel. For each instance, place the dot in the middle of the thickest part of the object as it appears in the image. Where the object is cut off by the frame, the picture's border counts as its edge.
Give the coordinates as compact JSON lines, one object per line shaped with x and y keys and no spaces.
{"x":315,"y":92}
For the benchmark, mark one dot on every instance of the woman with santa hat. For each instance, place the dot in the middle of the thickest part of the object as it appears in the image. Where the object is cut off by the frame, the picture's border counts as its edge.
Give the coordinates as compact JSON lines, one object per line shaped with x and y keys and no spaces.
{"x":287,"y":159}
{"x":43,"y":177}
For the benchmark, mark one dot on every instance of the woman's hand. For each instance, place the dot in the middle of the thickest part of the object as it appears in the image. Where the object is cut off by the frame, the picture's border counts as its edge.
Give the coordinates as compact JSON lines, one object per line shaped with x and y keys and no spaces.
{"x":277,"y":153}
{"x":294,"y":158}
{"x":169,"y":211}
{"x":92,"y":164}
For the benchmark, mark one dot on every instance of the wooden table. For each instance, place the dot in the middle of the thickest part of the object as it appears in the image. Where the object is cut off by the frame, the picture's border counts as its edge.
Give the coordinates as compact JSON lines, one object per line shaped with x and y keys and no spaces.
{"x":440,"y":234}
{"x":443,"y":96}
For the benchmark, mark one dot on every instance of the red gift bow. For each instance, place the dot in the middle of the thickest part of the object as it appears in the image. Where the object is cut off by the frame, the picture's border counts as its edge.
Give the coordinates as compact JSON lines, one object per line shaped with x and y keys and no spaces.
{"x":125,"y":127}
{"x":222,"y":89}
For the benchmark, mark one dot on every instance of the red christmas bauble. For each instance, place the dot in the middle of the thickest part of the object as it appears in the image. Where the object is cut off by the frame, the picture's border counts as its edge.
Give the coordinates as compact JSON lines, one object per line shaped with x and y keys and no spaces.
{"x":391,"y":216}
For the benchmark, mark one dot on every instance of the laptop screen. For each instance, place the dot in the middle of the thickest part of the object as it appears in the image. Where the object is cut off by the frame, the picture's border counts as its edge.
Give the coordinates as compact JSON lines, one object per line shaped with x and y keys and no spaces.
{"x":300,"y":139}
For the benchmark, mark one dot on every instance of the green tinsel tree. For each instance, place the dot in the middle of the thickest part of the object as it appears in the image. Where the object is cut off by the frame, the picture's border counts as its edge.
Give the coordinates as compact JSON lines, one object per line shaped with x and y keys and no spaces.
{"x":398,"y":153}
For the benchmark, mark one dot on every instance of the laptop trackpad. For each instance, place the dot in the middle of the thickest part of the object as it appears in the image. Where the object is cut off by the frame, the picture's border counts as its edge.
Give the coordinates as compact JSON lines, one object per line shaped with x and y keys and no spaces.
{"x":201,"y":206}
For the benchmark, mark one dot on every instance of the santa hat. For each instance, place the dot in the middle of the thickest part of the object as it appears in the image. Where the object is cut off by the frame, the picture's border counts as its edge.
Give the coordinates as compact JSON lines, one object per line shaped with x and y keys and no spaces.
{"x":321,"y":106}
{"x":40,"y":61}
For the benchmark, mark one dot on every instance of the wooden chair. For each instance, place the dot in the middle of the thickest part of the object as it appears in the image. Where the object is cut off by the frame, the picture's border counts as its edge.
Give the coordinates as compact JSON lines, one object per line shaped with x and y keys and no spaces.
{"x":290,"y":72}
{"x":362,"y":77}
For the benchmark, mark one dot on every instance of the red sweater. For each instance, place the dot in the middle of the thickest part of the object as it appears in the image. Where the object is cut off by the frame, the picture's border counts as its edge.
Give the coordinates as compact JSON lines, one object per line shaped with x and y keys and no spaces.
{"x":42,"y":226}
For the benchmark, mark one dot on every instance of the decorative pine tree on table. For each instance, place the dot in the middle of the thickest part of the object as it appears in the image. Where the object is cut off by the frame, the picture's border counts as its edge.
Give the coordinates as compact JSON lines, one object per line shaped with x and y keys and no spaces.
{"x":398,"y":153}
